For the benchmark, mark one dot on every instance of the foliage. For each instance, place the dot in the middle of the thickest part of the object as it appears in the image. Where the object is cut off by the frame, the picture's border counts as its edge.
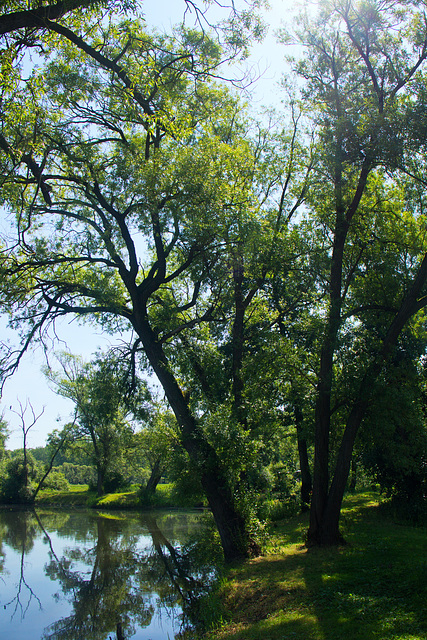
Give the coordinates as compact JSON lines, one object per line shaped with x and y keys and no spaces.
{"x":360,"y":75}
{"x":77,"y":473}
{"x":56,"y":480}
{"x":395,"y":437}
{"x":155,"y":447}
{"x":269,"y":276}
{"x":145,"y":253}
{"x":17,"y":484}
{"x":104,"y":398}
{"x":4,"y":432}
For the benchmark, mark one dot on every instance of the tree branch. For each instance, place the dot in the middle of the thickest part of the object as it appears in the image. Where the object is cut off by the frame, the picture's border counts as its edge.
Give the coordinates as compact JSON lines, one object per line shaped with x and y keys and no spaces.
{"x":36,"y":18}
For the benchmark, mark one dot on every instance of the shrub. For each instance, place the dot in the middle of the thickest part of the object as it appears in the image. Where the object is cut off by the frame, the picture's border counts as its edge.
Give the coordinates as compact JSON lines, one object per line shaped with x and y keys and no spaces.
{"x":78,"y":473}
{"x":56,"y":480}
{"x":13,"y":487}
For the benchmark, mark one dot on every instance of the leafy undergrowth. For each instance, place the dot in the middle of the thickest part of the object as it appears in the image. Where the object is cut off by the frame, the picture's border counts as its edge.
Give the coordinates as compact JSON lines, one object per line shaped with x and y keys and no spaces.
{"x":374,"y":588}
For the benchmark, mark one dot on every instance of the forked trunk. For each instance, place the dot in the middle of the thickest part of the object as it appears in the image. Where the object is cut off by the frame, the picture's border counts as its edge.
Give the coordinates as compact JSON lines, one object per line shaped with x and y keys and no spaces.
{"x":324,"y":521}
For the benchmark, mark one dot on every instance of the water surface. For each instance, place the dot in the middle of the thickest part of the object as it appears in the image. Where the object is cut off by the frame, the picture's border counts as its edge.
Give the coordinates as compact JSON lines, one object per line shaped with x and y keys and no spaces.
{"x":77,"y":575}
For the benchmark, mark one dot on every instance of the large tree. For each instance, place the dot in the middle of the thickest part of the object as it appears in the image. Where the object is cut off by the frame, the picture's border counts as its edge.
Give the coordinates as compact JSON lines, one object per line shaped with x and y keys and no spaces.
{"x":122,"y":222}
{"x":363,"y":68}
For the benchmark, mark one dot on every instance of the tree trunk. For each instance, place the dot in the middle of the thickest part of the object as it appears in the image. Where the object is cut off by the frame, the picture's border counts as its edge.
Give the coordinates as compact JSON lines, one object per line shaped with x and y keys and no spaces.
{"x":154,"y":479}
{"x":324,"y":387}
{"x":237,"y":336}
{"x":306,"y":483}
{"x":231,"y":525}
{"x":99,"y":481}
{"x":328,"y":533}
{"x":343,"y":217}
{"x":324,"y":523}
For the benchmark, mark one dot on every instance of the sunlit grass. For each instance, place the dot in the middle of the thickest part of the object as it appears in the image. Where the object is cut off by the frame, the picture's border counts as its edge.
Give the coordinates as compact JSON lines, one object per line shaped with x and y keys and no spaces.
{"x":80,"y":495}
{"x":374,"y":588}
{"x":76,"y":495}
{"x":128,"y":499}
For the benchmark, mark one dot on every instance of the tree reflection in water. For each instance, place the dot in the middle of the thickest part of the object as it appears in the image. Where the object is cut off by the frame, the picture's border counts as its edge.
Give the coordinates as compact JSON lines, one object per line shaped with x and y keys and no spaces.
{"x":20,"y":537}
{"x":115,"y":585}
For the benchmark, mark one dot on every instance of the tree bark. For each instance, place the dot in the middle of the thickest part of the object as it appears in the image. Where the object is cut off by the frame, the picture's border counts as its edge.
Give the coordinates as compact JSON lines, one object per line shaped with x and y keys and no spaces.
{"x":324,"y":389}
{"x":231,"y":525}
{"x":306,"y":482}
{"x":343,"y":217}
{"x":154,"y":479}
{"x":325,"y":529}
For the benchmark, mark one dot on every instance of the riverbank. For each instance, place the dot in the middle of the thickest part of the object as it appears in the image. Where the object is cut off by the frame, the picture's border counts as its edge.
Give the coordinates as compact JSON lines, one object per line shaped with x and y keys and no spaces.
{"x":374,"y":588}
{"x":82,"y":496}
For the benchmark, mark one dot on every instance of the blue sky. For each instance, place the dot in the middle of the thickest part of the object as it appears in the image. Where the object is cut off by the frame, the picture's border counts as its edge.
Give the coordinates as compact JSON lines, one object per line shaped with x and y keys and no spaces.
{"x":29,"y":383}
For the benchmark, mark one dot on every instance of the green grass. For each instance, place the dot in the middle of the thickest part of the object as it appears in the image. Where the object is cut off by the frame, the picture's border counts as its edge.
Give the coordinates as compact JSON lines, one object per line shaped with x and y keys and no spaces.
{"x":80,"y":496}
{"x":374,"y":588}
{"x":77,"y":496}
{"x":123,"y":500}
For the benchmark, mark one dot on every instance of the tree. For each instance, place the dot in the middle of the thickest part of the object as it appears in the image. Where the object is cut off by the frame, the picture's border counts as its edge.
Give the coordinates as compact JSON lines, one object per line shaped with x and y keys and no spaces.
{"x":103,"y":399}
{"x":24,"y":476}
{"x":22,"y":470}
{"x":135,"y":202}
{"x":362,"y":68}
{"x":57,"y":441}
{"x":156,"y":442}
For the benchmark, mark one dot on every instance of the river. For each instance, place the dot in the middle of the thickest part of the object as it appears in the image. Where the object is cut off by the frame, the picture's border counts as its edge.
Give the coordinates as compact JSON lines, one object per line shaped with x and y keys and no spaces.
{"x":84,"y":575}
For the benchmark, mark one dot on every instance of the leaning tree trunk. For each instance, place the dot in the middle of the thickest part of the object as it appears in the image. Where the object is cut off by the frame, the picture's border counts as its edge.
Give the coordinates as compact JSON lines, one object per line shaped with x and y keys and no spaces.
{"x":231,"y":525}
{"x":155,"y":477}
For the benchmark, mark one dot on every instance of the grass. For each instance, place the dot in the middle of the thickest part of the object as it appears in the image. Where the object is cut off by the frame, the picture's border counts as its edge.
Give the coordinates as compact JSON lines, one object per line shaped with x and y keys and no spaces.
{"x":374,"y":588}
{"x":77,"y":496}
{"x":81,"y":496}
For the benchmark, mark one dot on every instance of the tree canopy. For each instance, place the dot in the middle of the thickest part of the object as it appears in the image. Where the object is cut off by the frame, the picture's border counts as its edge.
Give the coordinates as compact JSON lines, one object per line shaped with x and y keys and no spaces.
{"x":270,"y":275}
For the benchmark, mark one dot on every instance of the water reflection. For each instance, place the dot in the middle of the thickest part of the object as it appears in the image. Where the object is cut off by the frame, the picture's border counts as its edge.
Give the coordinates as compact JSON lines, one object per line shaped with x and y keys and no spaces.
{"x":79,"y":575}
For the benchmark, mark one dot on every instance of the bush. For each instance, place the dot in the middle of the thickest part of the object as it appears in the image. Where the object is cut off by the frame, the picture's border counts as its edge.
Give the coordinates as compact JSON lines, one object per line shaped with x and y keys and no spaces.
{"x":114,"y":481}
{"x":57,"y":481}
{"x":78,"y":473}
{"x":13,"y":489}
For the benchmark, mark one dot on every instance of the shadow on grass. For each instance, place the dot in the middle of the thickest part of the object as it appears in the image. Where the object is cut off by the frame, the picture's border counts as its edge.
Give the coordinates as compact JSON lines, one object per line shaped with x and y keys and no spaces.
{"x":374,"y":588}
